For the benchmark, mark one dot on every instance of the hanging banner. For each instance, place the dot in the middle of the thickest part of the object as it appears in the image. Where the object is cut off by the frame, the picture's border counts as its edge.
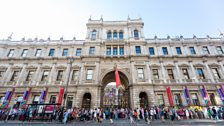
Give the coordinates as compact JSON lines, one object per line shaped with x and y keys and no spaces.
{"x":169,"y":94}
{"x":117,"y":77}
{"x":25,"y":98}
{"x":221,"y":92}
{"x":8,"y":97}
{"x":43,"y":95}
{"x":204,"y":95}
{"x":61,"y":93}
{"x":187,"y":95}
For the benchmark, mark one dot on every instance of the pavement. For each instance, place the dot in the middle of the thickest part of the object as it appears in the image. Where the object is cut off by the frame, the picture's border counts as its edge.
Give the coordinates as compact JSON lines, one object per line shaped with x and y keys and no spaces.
{"x":196,"y":122}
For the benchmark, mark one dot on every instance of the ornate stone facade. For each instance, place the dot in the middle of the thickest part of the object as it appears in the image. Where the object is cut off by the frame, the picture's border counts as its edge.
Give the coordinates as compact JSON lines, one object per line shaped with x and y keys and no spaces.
{"x":146,"y":66}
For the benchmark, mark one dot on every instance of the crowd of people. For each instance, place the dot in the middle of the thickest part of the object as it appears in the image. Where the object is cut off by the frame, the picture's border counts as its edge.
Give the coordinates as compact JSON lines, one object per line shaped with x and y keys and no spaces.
{"x":100,"y":114}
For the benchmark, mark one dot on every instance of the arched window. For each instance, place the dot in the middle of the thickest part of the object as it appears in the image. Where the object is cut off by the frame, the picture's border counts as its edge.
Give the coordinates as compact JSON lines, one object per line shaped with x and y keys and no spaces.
{"x":115,"y":35}
{"x":136,"y":35}
{"x":93,"y":35}
{"x":109,"y":35}
{"x":121,"y":35}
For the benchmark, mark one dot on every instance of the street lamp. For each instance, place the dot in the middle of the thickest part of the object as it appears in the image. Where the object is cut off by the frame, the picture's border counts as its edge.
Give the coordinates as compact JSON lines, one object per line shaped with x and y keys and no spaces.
{"x":70,"y":61}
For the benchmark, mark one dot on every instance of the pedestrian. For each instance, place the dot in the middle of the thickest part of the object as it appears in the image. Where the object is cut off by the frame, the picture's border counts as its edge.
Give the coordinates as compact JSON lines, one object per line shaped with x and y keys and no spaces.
{"x":66,"y":113}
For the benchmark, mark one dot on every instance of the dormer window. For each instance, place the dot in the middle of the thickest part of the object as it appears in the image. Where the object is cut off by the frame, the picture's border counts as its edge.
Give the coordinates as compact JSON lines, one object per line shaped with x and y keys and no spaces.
{"x":109,"y":35}
{"x":93,"y":35}
{"x":136,"y":35}
{"x":121,"y":35}
{"x":115,"y":35}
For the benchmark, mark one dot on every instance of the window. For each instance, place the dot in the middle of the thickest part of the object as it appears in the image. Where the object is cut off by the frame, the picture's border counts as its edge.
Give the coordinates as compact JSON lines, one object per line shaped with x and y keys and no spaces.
{"x":136,"y":35}
{"x":200,"y":73}
{"x":195,"y":99}
{"x":212,"y":99}
{"x":155,"y":74}
{"x":65,"y":52}
{"x":215,"y":73}
{"x":192,"y":50}
{"x":93,"y":35}
{"x":170,"y":74}
{"x":108,"y":50}
{"x":15,"y":76}
{"x":78,"y":52}
{"x":151,"y":51}
{"x":114,"y":50}
{"x":59,"y":76}
{"x":36,"y":99}
{"x":69,"y":101}
{"x":185,"y":74}
{"x":205,"y":50}
{"x":177,"y":99}
{"x":2,"y":74}
{"x":91,"y":50}
{"x":121,"y":35}
{"x":161,"y":99}
{"x":109,"y":35}
{"x":2,"y":99}
{"x":89,"y":75}
{"x":45,"y":75}
{"x":75,"y":74}
{"x":115,"y":35}
{"x":11,"y":53}
{"x":24,"y":53}
{"x":51,"y":53}
{"x":219,"y":49}
{"x":178,"y":49}
{"x":53,"y":99}
{"x":140,"y":73}
{"x":121,"y":51}
{"x":29,"y":76}
{"x":165,"y":51}
{"x":38,"y":52}
{"x":138,"y":49}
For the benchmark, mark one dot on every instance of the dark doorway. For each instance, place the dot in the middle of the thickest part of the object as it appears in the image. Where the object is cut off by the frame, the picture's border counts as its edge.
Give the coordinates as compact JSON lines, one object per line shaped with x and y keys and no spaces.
{"x":143,"y":100}
{"x":86,"y":102}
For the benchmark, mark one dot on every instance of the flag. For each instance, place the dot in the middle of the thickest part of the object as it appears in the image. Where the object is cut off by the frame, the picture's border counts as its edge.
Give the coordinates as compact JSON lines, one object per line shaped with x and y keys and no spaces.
{"x":43,"y":95}
{"x":8,"y":97}
{"x":205,"y":95}
{"x":169,"y":94}
{"x":25,"y":97}
{"x":118,"y":81}
{"x":187,"y":95}
{"x":221,"y":93}
{"x":61,"y":93}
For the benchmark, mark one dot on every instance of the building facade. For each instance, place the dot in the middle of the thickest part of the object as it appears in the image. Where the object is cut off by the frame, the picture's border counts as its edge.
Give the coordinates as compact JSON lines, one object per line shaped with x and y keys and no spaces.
{"x":146,"y":67}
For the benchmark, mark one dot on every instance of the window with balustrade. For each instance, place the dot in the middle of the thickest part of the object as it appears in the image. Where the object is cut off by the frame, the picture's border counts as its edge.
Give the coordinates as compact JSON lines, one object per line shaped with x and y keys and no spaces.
{"x":192,"y":50}
{"x":24,"y":53}
{"x":151,"y":51}
{"x":11,"y":53}
{"x":38,"y":52}
{"x":65,"y":52}
{"x":93,"y":36}
{"x":137,"y":50}
{"x":140,"y":73}
{"x":89,"y":74}
{"x":45,"y":75}
{"x":75,"y":74}
{"x":155,"y":74}
{"x":165,"y":50}
{"x":205,"y":50}
{"x":219,"y":49}
{"x":15,"y":76}
{"x":170,"y":74}
{"x":92,"y":50}
{"x":29,"y":76}
{"x":60,"y":75}
{"x":178,"y":50}
{"x":215,"y":73}
{"x":200,"y":73}
{"x":185,"y":73}
{"x":78,"y":51}
{"x":51,"y":53}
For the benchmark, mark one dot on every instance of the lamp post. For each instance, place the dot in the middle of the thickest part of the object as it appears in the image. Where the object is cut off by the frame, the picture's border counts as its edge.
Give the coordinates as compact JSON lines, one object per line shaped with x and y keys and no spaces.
{"x":70,"y":61}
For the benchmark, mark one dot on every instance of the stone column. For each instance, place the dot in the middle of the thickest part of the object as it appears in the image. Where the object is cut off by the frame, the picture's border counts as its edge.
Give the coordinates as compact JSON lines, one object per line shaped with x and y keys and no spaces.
{"x":37,"y":74}
{"x":51,"y":75}
{"x":178,"y":74}
{"x":209,"y":72}
{"x":82,"y":73}
{"x":193,"y":75}
{"x":133,"y":72}
{"x":6,"y":75}
{"x":148,"y":73}
{"x":21,"y":75}
{"x":163,"y":72}
{"x":67,"y":73}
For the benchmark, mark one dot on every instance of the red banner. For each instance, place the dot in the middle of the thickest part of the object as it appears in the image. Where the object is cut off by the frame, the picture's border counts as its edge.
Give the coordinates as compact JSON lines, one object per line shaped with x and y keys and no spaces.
{"x":61,"y":93}
{"x":169,"y":94}
{"x":118,"y":80}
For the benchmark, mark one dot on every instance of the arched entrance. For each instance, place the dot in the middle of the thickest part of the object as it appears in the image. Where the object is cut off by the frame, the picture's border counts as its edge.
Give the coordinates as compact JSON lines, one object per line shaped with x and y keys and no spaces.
{"x":143,"y":99}
{"x":86,"y":102}
{"x":112,"y":96}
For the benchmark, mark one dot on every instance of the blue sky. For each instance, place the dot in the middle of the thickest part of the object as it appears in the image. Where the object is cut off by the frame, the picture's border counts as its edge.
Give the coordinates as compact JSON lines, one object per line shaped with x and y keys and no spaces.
{"x":67,"y":18}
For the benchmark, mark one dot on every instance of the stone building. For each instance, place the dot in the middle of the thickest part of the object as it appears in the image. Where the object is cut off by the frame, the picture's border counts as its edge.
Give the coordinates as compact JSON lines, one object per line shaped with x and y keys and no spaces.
{"x":146,"y":67}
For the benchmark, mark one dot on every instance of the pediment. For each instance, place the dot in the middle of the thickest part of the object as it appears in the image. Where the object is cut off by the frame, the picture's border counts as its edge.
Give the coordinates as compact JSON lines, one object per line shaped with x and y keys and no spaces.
{"x":46,"y":67}
{"x":213,"y":65}
{"x":61,"y":67}
{"x":31,"y":67}
{"x":169,"y":65}
{"x":198,"y":65}
{"x":184,"y":65}
{"x":154,"y":65}
{"x":3,"y":67}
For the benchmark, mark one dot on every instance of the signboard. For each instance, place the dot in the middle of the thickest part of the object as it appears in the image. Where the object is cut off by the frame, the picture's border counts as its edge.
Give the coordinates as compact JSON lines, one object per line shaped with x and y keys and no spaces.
{"x":49,"y":108}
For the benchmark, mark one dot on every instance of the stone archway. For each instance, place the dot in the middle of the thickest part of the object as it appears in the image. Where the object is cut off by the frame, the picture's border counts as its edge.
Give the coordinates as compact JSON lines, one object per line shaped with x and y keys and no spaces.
{"x":121,"y":95}
{"x":86,"y":101}
{"x":143,"y":99}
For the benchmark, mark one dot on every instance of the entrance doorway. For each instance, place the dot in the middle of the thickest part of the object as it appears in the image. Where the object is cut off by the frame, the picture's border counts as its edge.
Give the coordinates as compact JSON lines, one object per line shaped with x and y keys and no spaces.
{"x":112,"y":96}
{"x":86,"y":103}
{"x":143,"y":100}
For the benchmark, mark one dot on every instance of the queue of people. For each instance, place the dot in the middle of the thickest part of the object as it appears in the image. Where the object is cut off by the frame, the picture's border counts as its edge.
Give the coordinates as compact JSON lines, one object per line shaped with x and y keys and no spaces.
{"x":100,"y":114}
